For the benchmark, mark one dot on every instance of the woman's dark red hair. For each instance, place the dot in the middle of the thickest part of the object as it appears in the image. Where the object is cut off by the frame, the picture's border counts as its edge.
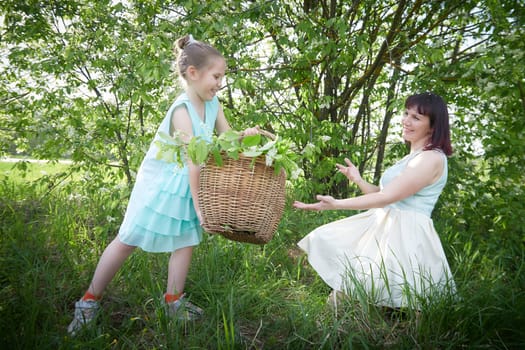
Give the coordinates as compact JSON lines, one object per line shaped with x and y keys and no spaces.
{"x":434,"y":107}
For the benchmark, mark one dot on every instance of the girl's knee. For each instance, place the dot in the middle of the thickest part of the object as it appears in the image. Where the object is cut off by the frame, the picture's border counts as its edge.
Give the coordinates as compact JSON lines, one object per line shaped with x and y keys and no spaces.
{"x":121,"y":246}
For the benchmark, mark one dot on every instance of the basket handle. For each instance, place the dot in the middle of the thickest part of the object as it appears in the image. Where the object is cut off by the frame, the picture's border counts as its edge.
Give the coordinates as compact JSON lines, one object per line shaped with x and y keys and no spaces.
{"x":267,"y":134}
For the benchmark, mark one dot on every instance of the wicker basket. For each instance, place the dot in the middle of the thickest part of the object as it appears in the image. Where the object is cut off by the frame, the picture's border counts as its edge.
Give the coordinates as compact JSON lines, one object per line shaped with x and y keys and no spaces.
{"x":241,"y":200}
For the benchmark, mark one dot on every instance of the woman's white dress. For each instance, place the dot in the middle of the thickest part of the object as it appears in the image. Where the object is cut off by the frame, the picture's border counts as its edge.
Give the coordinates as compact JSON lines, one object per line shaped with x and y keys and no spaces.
{"x":393,"y":253}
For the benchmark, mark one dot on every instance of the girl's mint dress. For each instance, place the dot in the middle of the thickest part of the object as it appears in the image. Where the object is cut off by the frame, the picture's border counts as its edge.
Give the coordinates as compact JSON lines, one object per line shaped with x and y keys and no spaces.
{"x":160,"y":216}
{"x":392,"y":253}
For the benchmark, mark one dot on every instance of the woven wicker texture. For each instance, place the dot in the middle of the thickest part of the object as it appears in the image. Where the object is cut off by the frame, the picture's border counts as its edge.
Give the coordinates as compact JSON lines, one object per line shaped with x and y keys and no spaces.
{"x":241,"y":200}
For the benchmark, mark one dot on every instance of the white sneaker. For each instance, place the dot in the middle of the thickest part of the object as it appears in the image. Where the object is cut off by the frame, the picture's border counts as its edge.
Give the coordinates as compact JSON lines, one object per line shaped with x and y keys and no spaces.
{"x":85,"y":312}
{"x":182,"y":309}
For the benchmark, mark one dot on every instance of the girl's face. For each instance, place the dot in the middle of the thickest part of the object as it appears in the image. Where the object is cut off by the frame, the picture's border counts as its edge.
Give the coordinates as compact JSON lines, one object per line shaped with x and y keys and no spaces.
{"x":207,"y":81}
{"x":416,"y":127}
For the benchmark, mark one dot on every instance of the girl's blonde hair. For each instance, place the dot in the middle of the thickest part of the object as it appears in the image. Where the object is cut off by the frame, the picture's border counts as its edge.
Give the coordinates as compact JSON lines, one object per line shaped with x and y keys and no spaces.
{"x":191,"y":52}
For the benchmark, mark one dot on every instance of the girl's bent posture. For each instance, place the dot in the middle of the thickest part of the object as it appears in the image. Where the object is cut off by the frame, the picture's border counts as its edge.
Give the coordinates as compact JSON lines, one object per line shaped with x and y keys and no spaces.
{"x":163,"y":211}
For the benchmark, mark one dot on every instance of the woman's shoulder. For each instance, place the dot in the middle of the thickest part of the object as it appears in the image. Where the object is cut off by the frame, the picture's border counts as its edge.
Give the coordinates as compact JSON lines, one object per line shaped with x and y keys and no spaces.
{"x":432,"y":160}
{"x":429,"y":154}
{"x":432,"y":157}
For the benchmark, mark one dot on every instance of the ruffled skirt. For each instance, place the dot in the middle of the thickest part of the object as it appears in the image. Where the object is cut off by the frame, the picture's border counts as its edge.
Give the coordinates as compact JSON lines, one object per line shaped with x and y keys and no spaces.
{"x":160,"y":216}
{"x":394,"y":256}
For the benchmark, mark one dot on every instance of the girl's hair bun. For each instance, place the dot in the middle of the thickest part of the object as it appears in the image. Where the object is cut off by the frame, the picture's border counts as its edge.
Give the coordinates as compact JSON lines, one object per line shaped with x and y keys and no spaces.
{"x":183,"y":41}
{"x":193,"y":53}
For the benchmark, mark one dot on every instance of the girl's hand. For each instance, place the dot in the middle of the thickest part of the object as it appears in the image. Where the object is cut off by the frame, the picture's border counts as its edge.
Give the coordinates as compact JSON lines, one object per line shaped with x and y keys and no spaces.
{"x":250,"y":131}
{"x":325,"y":203}
{"x":199,"y":215}
{"x":350,"y":171}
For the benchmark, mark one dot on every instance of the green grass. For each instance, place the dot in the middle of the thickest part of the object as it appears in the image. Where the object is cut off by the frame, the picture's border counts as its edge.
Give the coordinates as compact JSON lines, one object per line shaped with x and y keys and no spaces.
{"x":255,"y":297}
{"x":26,"y":171}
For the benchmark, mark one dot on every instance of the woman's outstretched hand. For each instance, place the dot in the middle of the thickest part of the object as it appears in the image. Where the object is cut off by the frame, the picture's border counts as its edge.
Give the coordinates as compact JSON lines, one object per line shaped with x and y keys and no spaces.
{"x":325,"y":203}
{"x":350,"y":171}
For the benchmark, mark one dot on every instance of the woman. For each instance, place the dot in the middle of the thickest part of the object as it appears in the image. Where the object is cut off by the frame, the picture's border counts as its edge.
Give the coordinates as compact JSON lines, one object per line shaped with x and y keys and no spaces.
{"x":392,"y":250}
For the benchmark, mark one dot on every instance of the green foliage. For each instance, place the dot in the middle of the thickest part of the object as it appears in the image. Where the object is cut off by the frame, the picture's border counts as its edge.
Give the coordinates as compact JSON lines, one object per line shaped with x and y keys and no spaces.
{"x":91,"y":83}
{"x":277,"y":152}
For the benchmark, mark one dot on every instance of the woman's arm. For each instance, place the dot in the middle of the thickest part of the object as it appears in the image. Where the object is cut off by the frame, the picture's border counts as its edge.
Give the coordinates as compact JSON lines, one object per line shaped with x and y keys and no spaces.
{"x":352,"y":173}
{"x":421,"y":171}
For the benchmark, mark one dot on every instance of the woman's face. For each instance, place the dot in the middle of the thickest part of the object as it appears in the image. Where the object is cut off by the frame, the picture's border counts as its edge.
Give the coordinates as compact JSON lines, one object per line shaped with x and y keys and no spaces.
{"x":416,"y":127}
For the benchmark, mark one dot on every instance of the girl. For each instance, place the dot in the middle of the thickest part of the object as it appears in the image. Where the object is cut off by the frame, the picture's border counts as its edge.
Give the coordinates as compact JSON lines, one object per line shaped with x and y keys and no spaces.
{"x":163,"y":212}
{"x":393,"y":247}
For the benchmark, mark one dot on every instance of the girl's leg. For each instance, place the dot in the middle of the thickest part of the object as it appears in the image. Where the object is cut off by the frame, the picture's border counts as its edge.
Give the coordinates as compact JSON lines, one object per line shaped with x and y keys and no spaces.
{"x":177,"y":271}
{"x":110,"y":262}
{"x":178,"y":268}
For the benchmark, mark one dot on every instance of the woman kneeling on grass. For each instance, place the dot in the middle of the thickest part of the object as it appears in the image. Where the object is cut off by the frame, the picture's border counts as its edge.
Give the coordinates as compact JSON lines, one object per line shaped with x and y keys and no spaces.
{"x":392,"y":250}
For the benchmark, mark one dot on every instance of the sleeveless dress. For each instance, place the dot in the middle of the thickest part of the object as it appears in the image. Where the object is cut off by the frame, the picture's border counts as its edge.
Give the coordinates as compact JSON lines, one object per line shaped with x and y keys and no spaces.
{"x":392,"y":253}
{"x":160,"y":216}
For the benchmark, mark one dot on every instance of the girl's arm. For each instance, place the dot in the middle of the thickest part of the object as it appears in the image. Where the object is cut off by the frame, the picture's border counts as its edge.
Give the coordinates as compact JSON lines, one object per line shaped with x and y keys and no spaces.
{"x":221,"y":125}
{"x":181,"y":121}
{"x":423,"y":170}
{"x":194,"y":172}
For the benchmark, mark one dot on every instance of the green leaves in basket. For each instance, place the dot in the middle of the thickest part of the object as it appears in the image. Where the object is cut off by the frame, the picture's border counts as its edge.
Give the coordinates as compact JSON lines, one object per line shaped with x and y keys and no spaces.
{"x":170,"y":148}
{"x":217,"y":156}
{"x":278,"y":153}
{"x":251,"y":140}
{"x":198,"y":150}
{"x":252,"y":153}
{"x":230,"y":143}
{"x":251,"y":144}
